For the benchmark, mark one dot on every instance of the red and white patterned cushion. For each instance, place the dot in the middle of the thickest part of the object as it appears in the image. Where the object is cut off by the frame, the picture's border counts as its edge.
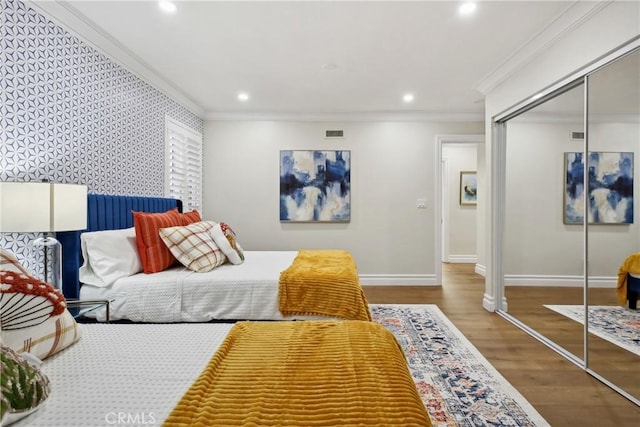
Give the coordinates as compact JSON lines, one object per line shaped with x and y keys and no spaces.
{"x":33,"y":314}
{"x":8,"y":262}
{"x":193,"y":246}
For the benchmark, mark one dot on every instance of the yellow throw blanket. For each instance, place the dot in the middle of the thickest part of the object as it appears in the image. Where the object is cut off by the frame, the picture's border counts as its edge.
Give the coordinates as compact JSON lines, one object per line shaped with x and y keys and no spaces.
{"x":313,"y":373}
{"x":630,"y":265}
{"x":323,"y":283}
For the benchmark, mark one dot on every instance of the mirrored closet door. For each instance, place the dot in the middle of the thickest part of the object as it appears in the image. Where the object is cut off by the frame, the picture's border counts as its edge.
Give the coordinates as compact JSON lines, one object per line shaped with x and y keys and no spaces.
{"x":614,"y":143}
{"x":568,"y":178}
{"x":542,"y":257}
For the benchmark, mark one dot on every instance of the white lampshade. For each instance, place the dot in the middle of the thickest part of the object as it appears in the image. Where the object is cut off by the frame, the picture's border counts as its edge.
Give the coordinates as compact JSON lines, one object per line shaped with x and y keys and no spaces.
{"x":42,"y":207}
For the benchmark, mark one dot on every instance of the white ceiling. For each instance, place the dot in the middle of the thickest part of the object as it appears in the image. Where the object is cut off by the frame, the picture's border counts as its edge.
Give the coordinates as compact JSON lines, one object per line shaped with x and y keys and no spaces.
{"x":323,"y":57}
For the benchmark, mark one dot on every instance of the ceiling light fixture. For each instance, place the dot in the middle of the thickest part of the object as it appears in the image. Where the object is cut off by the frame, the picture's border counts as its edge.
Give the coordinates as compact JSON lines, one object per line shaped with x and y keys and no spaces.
{"x":408,"y":97}
{"x":167,"y":6}
{"x":467,"y":8}
{"x":243,"y":96}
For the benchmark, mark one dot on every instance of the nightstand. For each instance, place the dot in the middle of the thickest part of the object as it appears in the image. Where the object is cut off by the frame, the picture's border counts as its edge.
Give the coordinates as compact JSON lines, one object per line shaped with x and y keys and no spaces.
{"x":78,"y":308}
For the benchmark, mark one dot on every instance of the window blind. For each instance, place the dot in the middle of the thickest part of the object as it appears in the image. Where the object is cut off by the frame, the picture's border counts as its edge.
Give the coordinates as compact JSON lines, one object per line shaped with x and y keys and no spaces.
{"x":183,"y":164}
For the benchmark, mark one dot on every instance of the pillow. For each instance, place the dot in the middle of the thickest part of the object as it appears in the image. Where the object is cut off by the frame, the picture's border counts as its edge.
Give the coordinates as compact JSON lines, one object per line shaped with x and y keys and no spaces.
{"x":108,"y":256}
{"x":225,"y":238}
{"x":154,"y":254}
{"x":193,"y":246}
{"x":8,"y":262}
{"x":24,"y":387}
{"x":191,"y":217}
{"x":34,"y":316}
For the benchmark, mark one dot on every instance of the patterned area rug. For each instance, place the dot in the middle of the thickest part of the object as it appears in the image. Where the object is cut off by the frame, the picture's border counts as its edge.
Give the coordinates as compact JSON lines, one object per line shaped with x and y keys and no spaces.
{"x":459,"y":387}
{"x":619,"y":325}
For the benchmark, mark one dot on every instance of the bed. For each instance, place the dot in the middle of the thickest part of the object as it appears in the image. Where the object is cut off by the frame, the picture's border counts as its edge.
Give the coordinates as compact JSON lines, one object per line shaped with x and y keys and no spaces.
{"x":121,"y":373}
{"x":311,"y":373}
{"x":251,"y":290}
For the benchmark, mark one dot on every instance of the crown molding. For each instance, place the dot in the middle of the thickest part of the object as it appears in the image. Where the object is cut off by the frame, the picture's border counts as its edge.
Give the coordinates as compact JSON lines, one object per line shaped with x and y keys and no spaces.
{"x":578,"y":118}
{"x":409,"y":116}
{"x":72,"y":20}
{"x":567,"y":21}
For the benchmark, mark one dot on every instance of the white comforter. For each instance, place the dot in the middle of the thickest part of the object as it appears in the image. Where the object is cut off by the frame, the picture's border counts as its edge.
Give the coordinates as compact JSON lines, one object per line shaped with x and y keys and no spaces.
{"x":246,"y":291}
{"x":125,"y":374}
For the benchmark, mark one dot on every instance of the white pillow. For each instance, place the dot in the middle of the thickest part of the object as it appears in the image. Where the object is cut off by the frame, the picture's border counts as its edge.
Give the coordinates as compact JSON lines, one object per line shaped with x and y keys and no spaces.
{"x":108,"y":256}
{"x":225,"y":238}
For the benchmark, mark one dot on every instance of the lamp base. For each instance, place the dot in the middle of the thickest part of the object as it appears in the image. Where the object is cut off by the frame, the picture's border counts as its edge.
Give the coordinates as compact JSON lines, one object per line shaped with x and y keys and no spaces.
{"x":52,"y":250}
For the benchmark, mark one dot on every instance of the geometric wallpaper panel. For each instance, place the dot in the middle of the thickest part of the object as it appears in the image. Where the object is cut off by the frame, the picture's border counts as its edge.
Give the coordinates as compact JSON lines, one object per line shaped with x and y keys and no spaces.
{"x":68,"y":113}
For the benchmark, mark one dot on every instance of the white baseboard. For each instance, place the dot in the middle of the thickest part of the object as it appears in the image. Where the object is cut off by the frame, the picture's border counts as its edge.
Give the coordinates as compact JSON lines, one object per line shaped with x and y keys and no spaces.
{"x":489,"y":302}
{"x":481,"y":270}
{"x":561,"y":281}
{"x":398,"y":279}
{"x":462,"y":259}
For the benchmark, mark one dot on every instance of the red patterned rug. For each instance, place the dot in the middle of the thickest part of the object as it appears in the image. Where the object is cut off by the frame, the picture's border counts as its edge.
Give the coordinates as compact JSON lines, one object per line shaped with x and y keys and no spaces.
{"x":459,"y":387}
{"x":618,"y":325}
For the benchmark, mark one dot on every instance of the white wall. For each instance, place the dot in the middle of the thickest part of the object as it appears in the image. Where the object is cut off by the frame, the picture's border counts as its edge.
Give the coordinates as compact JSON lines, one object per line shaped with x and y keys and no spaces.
{"x":392,"y":165}
{"x":612,"y":26}
{"x":536,"y":240}
{"x":462,"y":218}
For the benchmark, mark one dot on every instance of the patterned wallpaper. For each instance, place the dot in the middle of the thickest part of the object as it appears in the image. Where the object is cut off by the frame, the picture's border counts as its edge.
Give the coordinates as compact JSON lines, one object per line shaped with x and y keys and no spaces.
{"x":68,"y":113}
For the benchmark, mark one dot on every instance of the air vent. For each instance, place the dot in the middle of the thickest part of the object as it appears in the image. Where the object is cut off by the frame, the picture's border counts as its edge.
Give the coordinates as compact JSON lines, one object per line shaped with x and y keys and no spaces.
{"x":577,"y":136}
{"x":334,"y":134}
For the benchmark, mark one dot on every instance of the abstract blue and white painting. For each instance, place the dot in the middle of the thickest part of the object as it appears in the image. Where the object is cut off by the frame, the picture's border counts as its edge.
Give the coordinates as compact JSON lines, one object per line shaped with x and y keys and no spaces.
{"x":610,"y":188}
{"x":315,"y":186}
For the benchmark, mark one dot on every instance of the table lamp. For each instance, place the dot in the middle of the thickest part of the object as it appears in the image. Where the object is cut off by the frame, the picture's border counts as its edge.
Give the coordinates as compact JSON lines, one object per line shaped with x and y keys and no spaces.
{"x":44,"y":207}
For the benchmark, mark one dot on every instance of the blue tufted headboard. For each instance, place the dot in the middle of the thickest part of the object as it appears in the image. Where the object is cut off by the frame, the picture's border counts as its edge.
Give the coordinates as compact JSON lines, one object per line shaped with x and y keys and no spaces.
{"x":104,"y":212}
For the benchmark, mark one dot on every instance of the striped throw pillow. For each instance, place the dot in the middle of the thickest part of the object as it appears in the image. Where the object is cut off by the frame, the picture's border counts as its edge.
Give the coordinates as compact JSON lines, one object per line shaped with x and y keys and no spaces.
{"x":154,"y":254}
{"x":194,"y":246}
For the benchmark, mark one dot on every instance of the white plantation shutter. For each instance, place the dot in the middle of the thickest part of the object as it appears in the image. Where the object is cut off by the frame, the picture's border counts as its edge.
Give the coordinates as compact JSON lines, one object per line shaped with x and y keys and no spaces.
{"x":183,"y":169}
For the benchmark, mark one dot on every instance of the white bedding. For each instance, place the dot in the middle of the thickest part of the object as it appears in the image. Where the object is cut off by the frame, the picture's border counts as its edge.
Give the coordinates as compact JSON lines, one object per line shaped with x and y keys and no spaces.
{"x":124,"y":375}
{"x":246,"y":291}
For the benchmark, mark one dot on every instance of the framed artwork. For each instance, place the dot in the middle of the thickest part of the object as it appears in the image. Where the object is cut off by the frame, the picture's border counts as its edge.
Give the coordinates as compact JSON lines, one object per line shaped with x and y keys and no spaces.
{"x":315,"y":186}
{"x":468,"y":188}
{"x":610,"y":188}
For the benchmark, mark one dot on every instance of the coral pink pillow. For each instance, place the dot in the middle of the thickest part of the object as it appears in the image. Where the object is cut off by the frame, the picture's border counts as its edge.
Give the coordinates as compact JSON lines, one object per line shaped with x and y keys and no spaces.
{"x":154,"y":254}
{"x":191,"y":217}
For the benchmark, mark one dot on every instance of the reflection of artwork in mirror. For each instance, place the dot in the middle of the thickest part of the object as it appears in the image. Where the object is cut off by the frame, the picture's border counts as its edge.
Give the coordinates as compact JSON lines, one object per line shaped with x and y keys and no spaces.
{"x":315,"y":186}
{"x":468,"y":188}
{"x":610,"y":188}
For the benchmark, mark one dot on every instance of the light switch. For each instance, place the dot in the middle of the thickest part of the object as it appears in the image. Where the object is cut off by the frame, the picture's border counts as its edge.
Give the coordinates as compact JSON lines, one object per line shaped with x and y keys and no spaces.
{"x":421,"y":203}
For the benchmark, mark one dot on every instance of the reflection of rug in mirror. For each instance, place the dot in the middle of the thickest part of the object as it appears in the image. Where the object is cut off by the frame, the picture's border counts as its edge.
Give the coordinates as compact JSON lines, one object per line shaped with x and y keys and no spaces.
{"x":458,"y":386}
{"x":619,"y":325}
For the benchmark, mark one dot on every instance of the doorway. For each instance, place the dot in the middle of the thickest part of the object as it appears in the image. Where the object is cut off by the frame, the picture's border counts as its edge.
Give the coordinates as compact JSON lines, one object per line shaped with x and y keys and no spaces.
{"x":460,"y":157}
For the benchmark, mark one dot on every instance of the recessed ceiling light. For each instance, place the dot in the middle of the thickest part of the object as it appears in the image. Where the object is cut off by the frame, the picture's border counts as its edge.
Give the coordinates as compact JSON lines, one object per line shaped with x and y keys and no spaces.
{"x":167,"y":6}
{"x":467,"y":8}
{"x":243,"y":96}
{"x":408,"y":97}
{"x":329,"y":66}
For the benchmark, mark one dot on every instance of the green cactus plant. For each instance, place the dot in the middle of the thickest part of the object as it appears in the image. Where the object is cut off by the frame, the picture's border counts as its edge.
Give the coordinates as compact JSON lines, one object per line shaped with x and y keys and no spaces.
{"x":22,"y":386}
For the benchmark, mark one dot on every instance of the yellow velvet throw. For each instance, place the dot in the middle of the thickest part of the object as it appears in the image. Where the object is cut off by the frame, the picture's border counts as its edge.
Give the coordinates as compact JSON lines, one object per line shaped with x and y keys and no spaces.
{"x":307,"y":374}
{"x":323,"y":283}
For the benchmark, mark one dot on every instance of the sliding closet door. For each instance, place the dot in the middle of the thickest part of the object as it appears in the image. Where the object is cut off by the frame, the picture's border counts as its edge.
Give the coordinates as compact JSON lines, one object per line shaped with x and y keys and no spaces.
{"x":543,"y":245}
{"x":614,"y":221}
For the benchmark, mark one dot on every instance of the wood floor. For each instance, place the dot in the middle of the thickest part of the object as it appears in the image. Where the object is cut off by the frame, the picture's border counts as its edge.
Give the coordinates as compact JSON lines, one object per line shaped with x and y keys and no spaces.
{"x":561,"y":392}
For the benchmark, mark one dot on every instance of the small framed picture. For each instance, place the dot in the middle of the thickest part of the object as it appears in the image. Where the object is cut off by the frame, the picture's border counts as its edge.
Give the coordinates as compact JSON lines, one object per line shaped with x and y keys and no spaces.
{"x":468,"y":188}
